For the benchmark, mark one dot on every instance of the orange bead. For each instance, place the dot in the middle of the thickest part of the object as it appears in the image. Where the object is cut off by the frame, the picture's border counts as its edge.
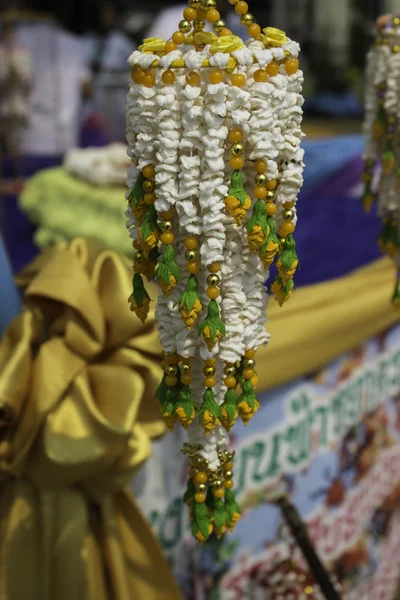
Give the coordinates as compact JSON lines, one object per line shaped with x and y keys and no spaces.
{"x":192,"y":268}
{"x":286,"y":229}
{"x":249,"y":354}
{"x":238,"y":80}
{"x":210,"y":382}
{"x":237,"y":163}
{"x":186,"y":379}
{"x":213,"y":15}
{"x":149,"y":171}
{"x":271,"y":184}
{"x":201,"y":14}
{"x":216,"y":76}
{"x":273,"y":68}
{"x":171,"y":380}
{"x":213,"y":292}
{"x":168,"y":77}
{"x":288,"y":205}
{"x":218,"y":492}
{"x":291,"y":66}
{"x":200,"y":478}
{"x":254,"y":380}
{"x":248,"y":373}
{"x":193,"y":78}
{"x":260,"y":166}
{"x":230,"y":381}
{"x":271,"y":209}
{"x":210,"y":362}
{"x":138,"y":76}
{"x":261,"y":76}
{"x":214,"y":267}
{"x":225,"y":32}
{"x":228,"y":466}
{"x":169,"y":47}
{"x":228,"y":484}
{"x":254,"y":30}
{"x":178,"y":37}
{"x":150,"y":199}
{"x":236,"y":135}
{"x":167,"y":238}
{"x":171,"y":359}
{"x":191,"y":242}
{"x":190,"y":14}
{"x":260,"y":192}
{"x":200,"y":498}
{"x":149,"y":80}
{"x":241,"y":8}
{"x":167,"y":214}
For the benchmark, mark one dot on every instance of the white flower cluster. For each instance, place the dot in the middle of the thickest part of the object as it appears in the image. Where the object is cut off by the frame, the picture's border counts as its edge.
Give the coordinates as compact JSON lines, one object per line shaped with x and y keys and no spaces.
{"x":101,"y":167}
{"x":183,"y":130}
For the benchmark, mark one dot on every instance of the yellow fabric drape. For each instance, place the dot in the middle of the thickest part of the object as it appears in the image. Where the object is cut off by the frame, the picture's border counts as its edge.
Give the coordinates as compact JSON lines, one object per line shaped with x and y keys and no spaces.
{"x":77,"y":415}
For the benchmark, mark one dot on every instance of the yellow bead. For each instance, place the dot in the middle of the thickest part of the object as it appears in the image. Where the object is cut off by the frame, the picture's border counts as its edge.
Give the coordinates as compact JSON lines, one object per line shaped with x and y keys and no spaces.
{"x":254,"y":30}
{"x":138,"y":76}
{"x":236,"y":136}
{"x":260,"y":166}
{"x":200,"y":477}
{"x":241,"y":8}
{"x":149,"y":171}
{"x":248,"y":374}
{"x":171,"y":359}
{"x":149,"y":80}
{"x":186,"y":379}
{"x":214,"y":267}
{"x":238,"y":80}
{"x":210,"y":362}
{"x":210,"y":382}
{"x":169,"y":47}
{"x":213,"y":15}
{"x":225,"y":31}
{"x":271,"y":209}
{"x":213,"y":292}
{"x":218,"y":492}
{"x":192,"y":268}
{"x":260,"y":192}
{"x":288,"y":205}
{"x":178,"y":37}
{"x":193,"y":79}
{"x":291,"y":66}
{"x":167,"y":238}
{"x":228,"y":484}
{"x":216,"y":76}
{"x":249,"y":354}
{"x":150,"y":199}
{"x":230,"y":382}
{"x":254,"y":380}
{"x":261,"y":76}
{"x":190,"y":14}
{"x":168,"y":77}
{"x":286,"y":229}
{"x":171,"y":381}
{"x":271,"y":184}
{"x":237,"y":163}
{"x":273,"y":68}
{"x":167,"y":214}
{"x":200,"y":498}
{"x":191,"y":242}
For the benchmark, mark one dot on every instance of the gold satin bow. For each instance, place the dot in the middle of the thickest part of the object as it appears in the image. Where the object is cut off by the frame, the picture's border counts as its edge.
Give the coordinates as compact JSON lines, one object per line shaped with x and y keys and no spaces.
{"x":273,"y":37}
{"x":77,"y":415}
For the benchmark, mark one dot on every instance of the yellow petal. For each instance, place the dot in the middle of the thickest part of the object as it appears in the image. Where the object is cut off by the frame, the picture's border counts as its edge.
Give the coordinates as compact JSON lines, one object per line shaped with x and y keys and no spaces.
{"x":226,"y":43}
{"x":152,"y":45}
{"x":274,"y":37}
{"x":204,"y":38}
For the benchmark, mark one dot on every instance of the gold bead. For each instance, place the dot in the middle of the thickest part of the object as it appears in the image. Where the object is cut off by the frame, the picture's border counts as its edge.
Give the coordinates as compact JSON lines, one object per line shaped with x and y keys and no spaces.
{"x":230,"y":370}
{"x":149,"y":186}
{"x":228,"y":474}
{"x":199,"y":25}
{"x":288,"y":215}
{"x":191,"y":255}
{"x":308,"y":590}
{"x":249,"y":364}
{"x":261,"y":179}
{"x":166,"y":225}
{"x":396,"y":49}
{"x":219,"y":25}
{"x":194,"y":3}
{"x":201,"y":487}
{"x":185,"y":26}
{"x":184,"y":368}
{"x":247,"y":19}
{"x":213,"y":280}
{"x":237,"y":149}
{"x":208,"y":371}
{"x":208,"y":4}
{"x":217,"y":483}
{"x":270,"y":196}
{"x":233,"y":1}
{"x":171,"y":370}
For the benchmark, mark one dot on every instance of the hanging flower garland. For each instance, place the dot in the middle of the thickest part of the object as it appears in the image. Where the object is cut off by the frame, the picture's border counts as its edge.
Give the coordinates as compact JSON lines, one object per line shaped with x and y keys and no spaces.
{"x":213,"y":126}
{"x":381,"y":175}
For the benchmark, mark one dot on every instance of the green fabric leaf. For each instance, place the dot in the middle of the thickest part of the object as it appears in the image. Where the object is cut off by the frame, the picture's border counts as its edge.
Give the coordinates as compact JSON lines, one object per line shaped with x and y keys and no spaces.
{"x":220,"y":515}
{"x":286,"y":288}
{"x":288,"y":253}
{"x":167,"y":266}
{"x":259,"y":217}
{"x":212,"y":320}
{"x":231,"y":506}
{"x":236,"y":188}
{"x":230,"y":404}
{"x":272,"y":237}
{"x":247,"y":394}
{"x":186,"y":401}
{"x":139,"y":291}
{"x":201,"y":519}
{"x":149,"y":224}
{"x":190,"y":295}
{"x":209,"y":403}
{"x":137,"y":192}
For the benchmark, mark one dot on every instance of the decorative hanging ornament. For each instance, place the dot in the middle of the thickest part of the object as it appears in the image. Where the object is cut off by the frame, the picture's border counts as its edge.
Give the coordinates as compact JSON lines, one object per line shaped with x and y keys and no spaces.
{"x":214,"y":133}
{"x":381,"y":174}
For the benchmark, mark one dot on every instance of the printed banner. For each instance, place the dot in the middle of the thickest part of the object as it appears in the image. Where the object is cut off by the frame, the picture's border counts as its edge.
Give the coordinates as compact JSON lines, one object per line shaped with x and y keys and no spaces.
{"x":332,"y":442}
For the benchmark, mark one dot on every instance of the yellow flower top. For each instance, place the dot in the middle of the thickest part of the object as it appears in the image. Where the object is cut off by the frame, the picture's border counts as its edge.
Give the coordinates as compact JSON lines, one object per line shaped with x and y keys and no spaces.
{"x":205,"y":38}
{"x":226,"y":43}
{"x":273,"y":37}
{"x":152,"y":45}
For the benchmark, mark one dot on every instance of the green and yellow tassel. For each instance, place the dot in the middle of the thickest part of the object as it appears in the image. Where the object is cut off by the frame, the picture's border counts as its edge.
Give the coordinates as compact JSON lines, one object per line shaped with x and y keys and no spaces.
{"x":237,"y":202}
{"x":201,"y":524}
{"x":167,"y":271}
{"x":388,"y":241}
{"x":189,"y":303}
{"x":149,"y":231}
{"x":185,"y":408}
{"x":139,"y":299}
{"x":169,"y":407}
{"x":288,"y":260}
{"x":248,"y":404}
{"x":210,"y":411}
{"x":271,"y":247}
{"x":229,"y":410}
{"x":368,"y":198}
{"x":220,"y":517}
{"x":137,"y":193}
{"x":232,"y":509}
{"x":257,"y":227}
{"x":212,"y":328}
{"x":281,"y":291}
{"x":389,"y":158}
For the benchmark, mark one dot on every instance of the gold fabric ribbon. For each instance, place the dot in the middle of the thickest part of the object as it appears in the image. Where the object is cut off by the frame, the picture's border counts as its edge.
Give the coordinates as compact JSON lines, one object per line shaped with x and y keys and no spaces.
{"x":77,"y":415}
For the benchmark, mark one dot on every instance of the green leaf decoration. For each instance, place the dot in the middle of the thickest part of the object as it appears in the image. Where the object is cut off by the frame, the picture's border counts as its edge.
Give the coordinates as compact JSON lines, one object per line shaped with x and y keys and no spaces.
{"x":137,"y":192}
{"x":248,"y":394}
{"x":167,"y":266}
{"x":368,"y":197}
{"x":209,"y":404}
{"x":259,"y":217}
{"x":286,"y":288}
{"x":185,"y":401}
{"x":272,"y":242}
{"x":190,"y":491}
{"x":236,"y":188}
{"x":139,"y":291}
{"x":212,"y":321}
{"x":201,"y":520}
{"x":221,"y":517}
{"x":230,"y":404}
{"x":389,"y":239}
{"x":288,"y":254}
{"x":231,"y":506}
{"x":190,"y":295}
{"x":149,"y":224}
{"x":389,"y":158}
